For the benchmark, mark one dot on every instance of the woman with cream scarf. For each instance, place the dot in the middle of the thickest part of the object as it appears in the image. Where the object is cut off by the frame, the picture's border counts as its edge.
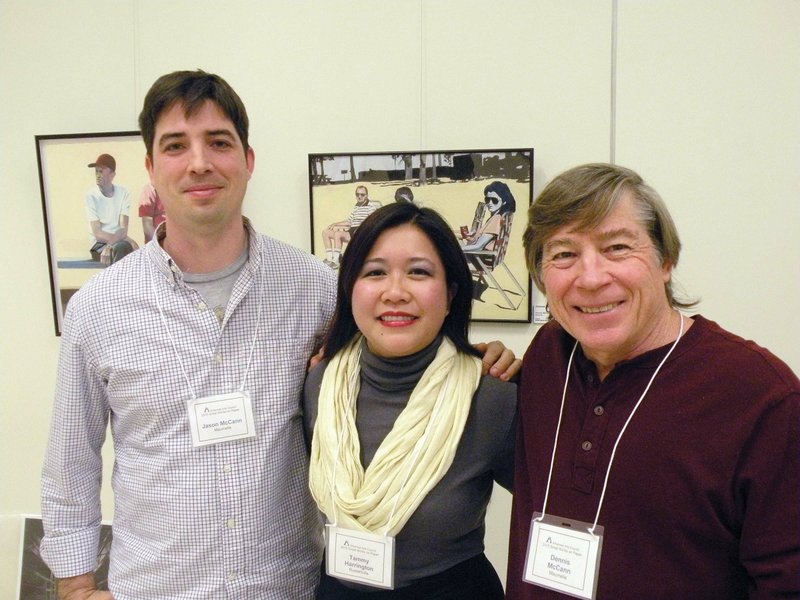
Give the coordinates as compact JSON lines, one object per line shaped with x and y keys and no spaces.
{"x":407,"y":436}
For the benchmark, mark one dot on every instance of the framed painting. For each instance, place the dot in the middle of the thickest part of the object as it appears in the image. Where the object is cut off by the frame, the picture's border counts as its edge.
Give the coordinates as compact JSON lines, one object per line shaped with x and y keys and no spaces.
{"x":36,"y":582}
{"x":483,"y":194}
{"x":92,"y":185}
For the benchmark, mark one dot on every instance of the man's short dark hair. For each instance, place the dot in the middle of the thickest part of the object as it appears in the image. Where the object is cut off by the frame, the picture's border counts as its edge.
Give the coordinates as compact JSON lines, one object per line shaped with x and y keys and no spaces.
{"x":191,"y":89}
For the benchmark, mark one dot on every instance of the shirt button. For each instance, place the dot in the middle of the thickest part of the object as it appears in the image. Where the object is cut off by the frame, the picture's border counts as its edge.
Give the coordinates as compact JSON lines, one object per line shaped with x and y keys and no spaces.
{"x":587,"y":445}
{"x":202,"y":306}
{"x":231,"y":523}
{"x":217,"y":357}
{"x":226,"y":469}
{"x":599,"y":410}
{"x":232,"y":575}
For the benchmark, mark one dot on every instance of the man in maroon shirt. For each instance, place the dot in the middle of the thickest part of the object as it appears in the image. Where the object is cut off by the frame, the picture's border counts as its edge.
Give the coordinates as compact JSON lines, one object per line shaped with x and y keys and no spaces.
{"x":658,"y":455}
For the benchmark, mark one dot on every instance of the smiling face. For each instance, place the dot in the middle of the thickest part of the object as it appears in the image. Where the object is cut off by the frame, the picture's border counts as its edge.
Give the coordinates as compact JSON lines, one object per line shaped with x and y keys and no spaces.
{"x":200,"y":169}
{"x":605,"y":286}
{"x":400,"y":298}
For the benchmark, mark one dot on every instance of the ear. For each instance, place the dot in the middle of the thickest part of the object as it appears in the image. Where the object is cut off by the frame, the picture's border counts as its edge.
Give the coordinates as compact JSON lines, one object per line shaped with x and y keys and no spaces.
{"x":451,"y":293}
{"x":148,"y":164}
{"x":250,"y":156}
{"x":666,"y":271}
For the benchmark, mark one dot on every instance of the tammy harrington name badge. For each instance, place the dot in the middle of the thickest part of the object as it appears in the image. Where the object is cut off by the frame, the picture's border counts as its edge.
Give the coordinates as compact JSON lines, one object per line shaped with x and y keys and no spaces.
{"x":359,"y":556}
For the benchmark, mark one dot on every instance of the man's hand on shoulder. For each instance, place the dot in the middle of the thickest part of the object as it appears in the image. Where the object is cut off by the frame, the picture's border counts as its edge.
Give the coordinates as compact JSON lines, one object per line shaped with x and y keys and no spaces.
{"x":498,"y":360}
{"x":81,"y":587}
{"x":316,"y":359}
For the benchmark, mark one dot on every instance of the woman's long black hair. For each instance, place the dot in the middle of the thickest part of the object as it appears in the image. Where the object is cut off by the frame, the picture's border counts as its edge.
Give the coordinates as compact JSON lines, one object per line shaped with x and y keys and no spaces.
{"x":457,"y":273}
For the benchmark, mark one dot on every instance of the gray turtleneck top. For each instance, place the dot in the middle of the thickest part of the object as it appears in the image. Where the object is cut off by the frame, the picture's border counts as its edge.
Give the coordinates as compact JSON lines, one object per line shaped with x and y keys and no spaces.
{"x":448,"y":527}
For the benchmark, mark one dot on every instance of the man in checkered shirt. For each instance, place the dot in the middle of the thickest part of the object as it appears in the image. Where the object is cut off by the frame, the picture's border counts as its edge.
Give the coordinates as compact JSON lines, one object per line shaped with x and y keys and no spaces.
{"x":195,"y":347}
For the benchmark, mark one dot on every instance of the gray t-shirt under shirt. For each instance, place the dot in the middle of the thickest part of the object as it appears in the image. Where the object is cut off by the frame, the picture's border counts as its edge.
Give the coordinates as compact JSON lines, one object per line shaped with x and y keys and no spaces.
{"x":216,"y":287}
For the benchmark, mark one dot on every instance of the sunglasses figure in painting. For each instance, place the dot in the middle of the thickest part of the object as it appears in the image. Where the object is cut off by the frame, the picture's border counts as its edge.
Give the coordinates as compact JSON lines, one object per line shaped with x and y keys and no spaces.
{"x":499,"y":203}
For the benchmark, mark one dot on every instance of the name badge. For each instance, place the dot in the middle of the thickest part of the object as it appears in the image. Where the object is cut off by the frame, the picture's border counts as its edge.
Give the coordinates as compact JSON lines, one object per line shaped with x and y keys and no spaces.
{"x":563,"y":556}
{"x":221,"y":418}
{"x":359,"y":556}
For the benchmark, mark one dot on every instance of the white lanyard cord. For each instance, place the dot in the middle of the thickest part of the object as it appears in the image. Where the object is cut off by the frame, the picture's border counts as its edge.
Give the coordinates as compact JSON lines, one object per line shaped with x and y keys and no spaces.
{"x":622,"y":431}
{"x":619,"y":437}
{"x":169,"y":335}
{"x":252,"y":347}
{"x":558,"y":428}
{"x":175,"y":346}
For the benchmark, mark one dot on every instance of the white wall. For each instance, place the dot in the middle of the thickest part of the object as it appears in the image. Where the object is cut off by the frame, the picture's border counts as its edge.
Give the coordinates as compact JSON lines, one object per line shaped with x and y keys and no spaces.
{"x":706,"y":110}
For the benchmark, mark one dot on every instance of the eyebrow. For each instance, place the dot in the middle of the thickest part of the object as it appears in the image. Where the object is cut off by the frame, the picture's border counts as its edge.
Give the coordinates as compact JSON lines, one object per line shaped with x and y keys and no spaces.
{"x":176,"y":135}
{"x":412,"y":260}
{"x":603,"y":236}
{"x":622,"y":232}
{"x":557,"y":242}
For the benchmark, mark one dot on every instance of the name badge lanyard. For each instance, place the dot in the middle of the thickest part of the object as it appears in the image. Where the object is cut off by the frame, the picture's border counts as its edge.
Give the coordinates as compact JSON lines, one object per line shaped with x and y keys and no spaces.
{"x":595,"y":539}
{"x":240,"y":398}
{"x":377,"y":550}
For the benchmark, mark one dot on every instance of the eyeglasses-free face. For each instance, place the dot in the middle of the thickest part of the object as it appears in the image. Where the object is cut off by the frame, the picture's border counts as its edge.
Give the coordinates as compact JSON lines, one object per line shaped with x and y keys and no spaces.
{"x":400,"y":299}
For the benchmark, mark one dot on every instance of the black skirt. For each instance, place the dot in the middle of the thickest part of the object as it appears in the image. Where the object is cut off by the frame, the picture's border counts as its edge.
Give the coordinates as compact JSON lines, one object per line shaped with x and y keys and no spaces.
{"x":473,"y":579}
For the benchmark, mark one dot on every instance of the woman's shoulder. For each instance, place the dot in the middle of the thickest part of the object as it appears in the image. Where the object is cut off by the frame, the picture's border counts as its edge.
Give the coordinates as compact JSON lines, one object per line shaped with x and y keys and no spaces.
{"x":496,"y":399}
{"x":314,"y":376}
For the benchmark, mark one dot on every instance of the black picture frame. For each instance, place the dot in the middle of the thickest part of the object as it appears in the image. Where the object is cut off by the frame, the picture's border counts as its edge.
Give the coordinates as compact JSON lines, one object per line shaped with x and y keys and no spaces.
{"x":453,"y":182}
{"x":64,"y":180}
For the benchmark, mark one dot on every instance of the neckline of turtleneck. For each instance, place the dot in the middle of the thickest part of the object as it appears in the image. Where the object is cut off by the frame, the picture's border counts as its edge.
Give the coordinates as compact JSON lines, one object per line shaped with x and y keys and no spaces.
{"x":403,"y":372}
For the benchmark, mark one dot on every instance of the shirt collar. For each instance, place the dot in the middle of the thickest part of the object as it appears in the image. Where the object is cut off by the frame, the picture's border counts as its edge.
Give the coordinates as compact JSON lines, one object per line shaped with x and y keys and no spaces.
{"x":166,"y":266}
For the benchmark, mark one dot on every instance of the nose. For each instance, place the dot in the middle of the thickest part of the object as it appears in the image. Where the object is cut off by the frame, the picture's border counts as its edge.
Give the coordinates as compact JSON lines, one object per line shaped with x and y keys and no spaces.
{"x":594,"y":270}
{"x":198,"y":159}
{"x":395,"y":290}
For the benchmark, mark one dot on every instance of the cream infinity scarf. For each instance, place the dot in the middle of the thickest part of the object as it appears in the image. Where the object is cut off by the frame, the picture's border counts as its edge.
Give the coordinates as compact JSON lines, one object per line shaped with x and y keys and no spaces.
{"x":412,"y":458}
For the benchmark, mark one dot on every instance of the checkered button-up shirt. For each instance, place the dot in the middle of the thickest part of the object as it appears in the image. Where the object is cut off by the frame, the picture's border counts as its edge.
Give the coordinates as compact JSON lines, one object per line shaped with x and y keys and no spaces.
{"x":231,"y":520}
